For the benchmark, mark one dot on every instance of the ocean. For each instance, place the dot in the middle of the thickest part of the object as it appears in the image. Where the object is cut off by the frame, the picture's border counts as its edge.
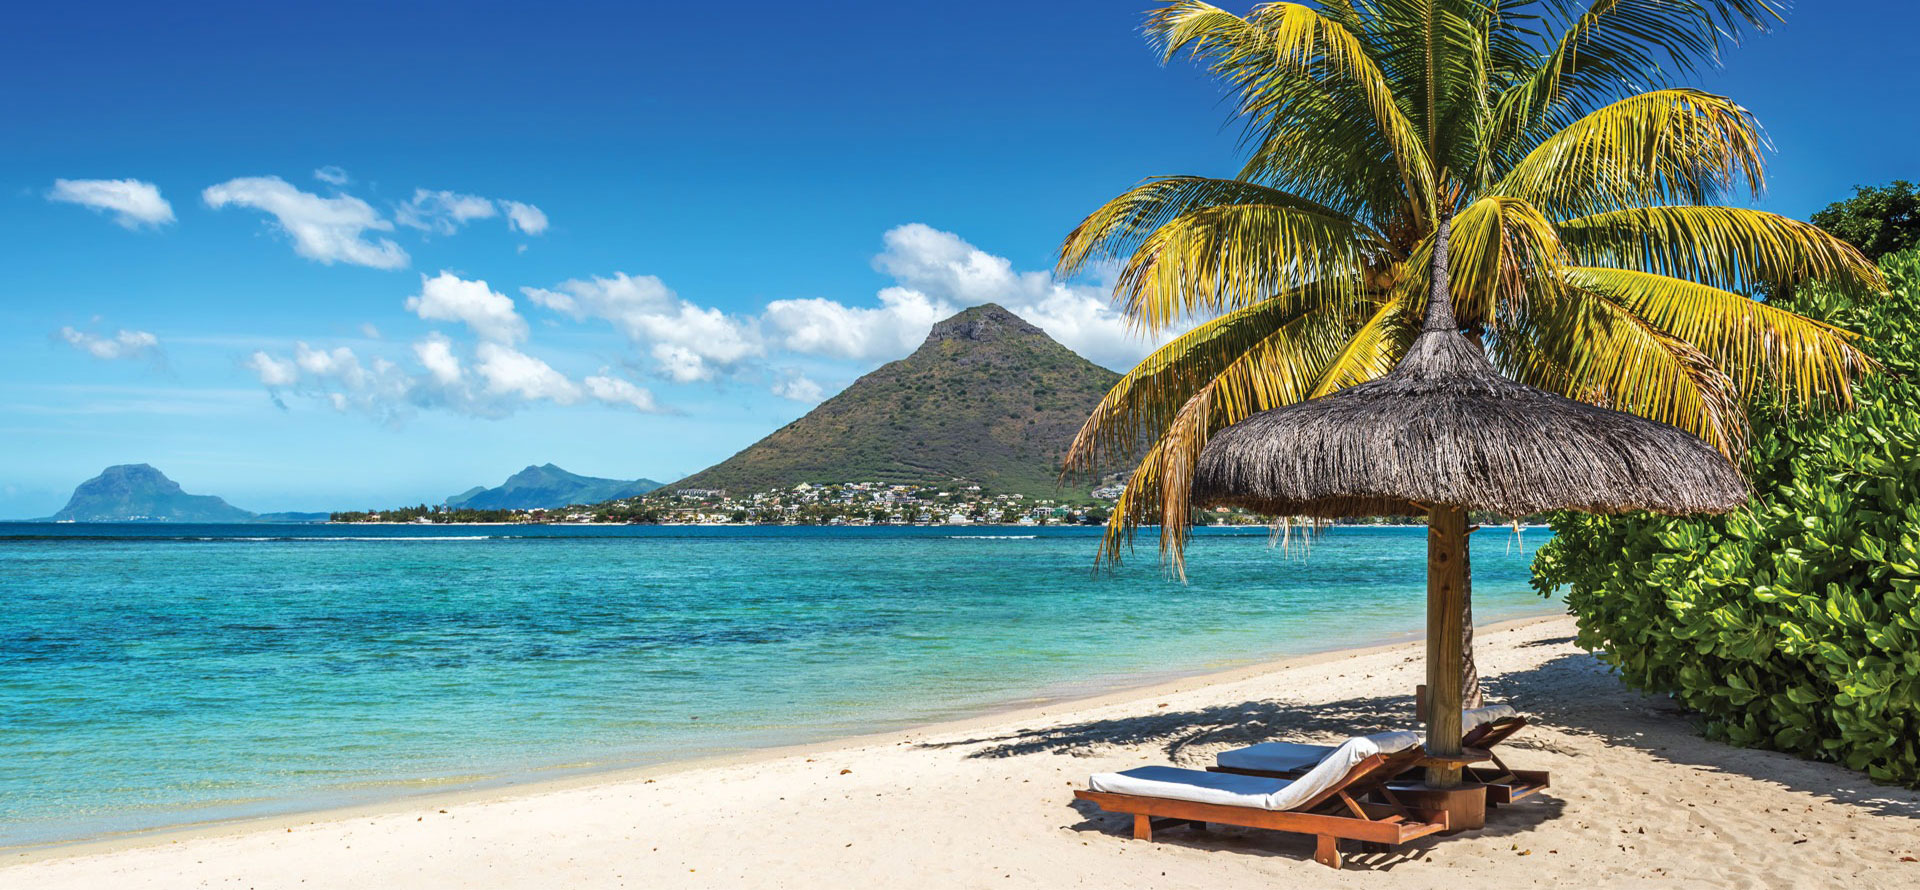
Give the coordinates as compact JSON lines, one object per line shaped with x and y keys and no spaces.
{"x":159,"y":675}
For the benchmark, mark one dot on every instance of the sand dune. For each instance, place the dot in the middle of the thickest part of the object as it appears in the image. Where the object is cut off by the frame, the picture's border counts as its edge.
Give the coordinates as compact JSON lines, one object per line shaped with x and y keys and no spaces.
{"x":1639,"y":800}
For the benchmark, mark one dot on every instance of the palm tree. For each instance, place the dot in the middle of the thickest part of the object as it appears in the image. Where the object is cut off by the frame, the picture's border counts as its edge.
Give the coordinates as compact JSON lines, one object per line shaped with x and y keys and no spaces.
{"x":1589,"y":256}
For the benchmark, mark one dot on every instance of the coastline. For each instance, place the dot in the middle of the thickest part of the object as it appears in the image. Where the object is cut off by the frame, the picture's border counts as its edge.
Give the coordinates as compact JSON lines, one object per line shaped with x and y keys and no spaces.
{"x":1118,"y":691}
{"x":1638,"y":798}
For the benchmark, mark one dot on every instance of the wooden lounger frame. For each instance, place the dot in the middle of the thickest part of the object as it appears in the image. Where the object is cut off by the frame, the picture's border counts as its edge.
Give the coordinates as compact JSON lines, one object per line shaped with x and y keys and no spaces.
{"x":1332,"y":815}
{"x":1504,"y":784}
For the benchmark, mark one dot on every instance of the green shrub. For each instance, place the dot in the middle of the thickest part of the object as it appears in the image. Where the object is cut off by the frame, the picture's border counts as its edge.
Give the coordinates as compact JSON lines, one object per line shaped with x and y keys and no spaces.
{"x":1793,"y":624}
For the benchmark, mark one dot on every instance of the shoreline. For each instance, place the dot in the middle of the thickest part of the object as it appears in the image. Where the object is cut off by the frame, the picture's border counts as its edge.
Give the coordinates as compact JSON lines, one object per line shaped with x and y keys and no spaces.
{"x":1637,"y":799}
{"x":513,"y":785}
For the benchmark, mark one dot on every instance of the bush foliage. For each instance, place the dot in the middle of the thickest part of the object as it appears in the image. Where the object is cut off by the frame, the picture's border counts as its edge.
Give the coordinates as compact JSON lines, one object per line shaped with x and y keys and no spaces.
{"x":1793,"y":624}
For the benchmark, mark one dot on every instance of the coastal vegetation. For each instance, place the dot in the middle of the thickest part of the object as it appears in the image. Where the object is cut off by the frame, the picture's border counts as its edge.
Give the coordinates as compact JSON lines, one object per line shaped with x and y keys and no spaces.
{"x":1878,"y":219}
{"x":1793,"y":624}
{"x":1591,"y":258}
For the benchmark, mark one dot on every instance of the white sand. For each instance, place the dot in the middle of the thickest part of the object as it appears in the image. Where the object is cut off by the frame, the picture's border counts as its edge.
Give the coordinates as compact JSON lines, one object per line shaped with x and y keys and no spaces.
{"x":1639,"y":800}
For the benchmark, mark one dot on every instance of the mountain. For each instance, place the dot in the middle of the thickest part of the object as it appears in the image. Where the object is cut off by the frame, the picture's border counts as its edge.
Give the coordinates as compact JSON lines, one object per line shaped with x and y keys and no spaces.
{"x":546,"y":487}
{"x":140,"y":493}
{"x":988,"y":398}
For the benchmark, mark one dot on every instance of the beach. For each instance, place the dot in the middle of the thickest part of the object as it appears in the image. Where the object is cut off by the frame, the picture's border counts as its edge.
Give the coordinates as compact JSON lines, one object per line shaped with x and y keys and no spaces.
{"x":1639,"y":798}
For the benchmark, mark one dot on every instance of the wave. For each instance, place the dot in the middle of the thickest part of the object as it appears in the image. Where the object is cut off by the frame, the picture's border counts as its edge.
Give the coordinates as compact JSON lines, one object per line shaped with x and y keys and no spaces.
{"x":991,"y":537}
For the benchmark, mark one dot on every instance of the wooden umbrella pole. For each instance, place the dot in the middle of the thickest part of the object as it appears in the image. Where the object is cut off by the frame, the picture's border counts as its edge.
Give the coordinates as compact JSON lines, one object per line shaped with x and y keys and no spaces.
{"x":1446,"y":598}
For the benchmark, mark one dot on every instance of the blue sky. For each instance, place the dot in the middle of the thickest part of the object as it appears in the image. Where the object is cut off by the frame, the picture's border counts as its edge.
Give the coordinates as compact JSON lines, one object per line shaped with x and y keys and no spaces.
{"x":312,"y":257}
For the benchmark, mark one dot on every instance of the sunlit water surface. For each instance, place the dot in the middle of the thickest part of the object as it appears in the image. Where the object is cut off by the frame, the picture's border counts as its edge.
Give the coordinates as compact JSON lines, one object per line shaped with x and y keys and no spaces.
{"x":157,"y":675}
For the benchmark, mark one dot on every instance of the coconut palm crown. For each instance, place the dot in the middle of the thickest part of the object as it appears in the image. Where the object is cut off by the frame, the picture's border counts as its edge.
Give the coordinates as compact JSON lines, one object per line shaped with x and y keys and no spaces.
{"x":1589,"y":257}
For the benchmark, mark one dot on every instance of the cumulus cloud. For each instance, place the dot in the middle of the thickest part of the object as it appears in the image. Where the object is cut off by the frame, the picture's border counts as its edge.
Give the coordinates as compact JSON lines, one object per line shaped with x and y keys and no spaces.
{"x":614,"y":391}
{"x":442,"y":212}
{"x":687,"y":342}
{"x":132,"y":202}
{"x":448,"y":297}
{"x":125,"y":344}
{"x":798,"y":388}
{"x":493,"y":381}
{"x":828,"y":328}
{"x":509,"y":371}
{"x":331,"y":175}
{"x":435,"y":353}
{"x":936,"y":274}
{"x":273,"y":371}
{"x":525,"y":217}
{"x":327,"y":230}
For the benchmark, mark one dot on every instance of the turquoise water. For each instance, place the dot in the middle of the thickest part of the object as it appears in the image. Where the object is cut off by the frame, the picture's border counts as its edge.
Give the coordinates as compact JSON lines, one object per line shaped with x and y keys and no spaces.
{"x":152,"y":676}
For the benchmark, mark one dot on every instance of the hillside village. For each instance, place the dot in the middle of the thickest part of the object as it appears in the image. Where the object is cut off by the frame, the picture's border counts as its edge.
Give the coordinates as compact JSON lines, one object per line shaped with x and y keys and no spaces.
{"x":844,"y":504}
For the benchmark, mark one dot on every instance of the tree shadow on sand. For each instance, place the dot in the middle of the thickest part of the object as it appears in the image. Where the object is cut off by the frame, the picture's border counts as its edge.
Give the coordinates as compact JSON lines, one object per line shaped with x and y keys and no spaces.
{"x":1578,"y":695}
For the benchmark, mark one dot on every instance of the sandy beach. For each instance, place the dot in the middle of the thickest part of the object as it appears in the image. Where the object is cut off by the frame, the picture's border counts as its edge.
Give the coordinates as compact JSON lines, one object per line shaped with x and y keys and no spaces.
{"x":1639,"y":799}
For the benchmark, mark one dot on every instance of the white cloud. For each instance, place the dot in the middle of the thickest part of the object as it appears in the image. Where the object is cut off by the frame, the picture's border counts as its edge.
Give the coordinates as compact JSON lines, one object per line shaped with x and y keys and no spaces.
{"x":326,"y":230}
{"x":525,"y":217}
{"x":936,"y":274}
{"x":436,"y":355}
{"x":507,"y":370}
{"x":132,"y":202}
{"x":447,"y":297}
{"x":273,"y":372}
{"x":688,"y":343}
{"x":799,"y":389}
{"x":125,"y":344}
{"x":442,"y":212}
{"x":369,"y":330}
{"x":824,"y":327}
{"x":331,"y":175}
{"x":614,"y":391}
{"x":493,"y":382}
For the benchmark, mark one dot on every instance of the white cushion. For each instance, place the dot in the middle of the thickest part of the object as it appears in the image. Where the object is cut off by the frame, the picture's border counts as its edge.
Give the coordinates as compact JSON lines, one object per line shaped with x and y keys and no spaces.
{"x":1199,"y":786}
{"x":1257,"y":792}
{"x":1474,"y":718}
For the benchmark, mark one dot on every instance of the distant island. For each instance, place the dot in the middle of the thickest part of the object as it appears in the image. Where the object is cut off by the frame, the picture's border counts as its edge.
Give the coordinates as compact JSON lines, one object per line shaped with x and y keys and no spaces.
{"x":547,"y":487}
{"x":140,"y":493}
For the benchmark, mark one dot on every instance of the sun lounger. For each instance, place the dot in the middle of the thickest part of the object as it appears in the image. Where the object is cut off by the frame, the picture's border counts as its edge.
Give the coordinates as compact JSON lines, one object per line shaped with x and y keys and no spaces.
{"x":1326,"y":801}
{"x":1481,"y":728}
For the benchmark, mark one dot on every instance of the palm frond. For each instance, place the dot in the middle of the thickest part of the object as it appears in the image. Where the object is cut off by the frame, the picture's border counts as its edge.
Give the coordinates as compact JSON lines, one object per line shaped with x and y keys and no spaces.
{"x":1666,"y":146}
{"x":1275,"y":56}
{"x":1118,"y":227}
{"x":1371,"y":351}
{"x":1227,"y":257}
{"x":1594,"y":350}
{"x":1612,"y":44}
{"x":1731,"y":248}
{"x":1805,"y":360}
{"x":1290,"y":337}
{"x":1500,"y":246}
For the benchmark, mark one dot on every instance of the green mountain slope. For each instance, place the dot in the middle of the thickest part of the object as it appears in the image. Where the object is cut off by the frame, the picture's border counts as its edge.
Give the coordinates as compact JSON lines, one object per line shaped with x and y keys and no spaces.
{"x":140,"y":493}
{"x":546,"y":487}
{"x":988,"y":399}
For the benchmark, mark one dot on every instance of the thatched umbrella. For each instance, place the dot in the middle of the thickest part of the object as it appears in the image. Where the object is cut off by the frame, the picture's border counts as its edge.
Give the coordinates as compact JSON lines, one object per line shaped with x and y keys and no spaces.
{"x":1444,"y":433}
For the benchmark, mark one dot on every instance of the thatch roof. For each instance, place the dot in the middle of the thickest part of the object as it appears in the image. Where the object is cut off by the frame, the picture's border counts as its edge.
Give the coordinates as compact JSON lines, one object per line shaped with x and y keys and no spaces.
{"x":1446,"y":429}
